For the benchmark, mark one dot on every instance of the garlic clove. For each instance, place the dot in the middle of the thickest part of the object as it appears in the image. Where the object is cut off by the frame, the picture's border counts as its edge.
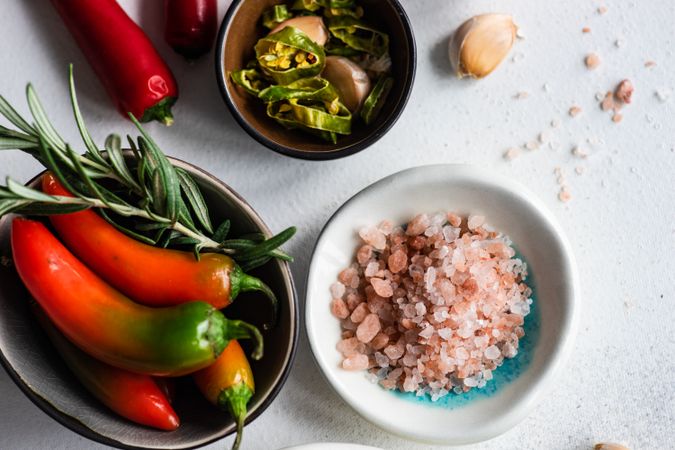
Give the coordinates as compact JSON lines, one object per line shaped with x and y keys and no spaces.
{"x":312,"y":26}
{"x":350,"y":80}
{"x":481,"y":43}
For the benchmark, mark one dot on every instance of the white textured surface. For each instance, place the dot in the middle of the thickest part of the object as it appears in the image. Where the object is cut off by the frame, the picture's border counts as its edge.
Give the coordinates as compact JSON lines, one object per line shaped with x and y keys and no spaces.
{"x":620,"y":384}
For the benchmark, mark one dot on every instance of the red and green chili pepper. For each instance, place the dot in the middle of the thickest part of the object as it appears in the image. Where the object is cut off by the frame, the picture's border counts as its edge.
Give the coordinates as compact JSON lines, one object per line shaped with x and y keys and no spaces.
{"x":126,"y":62}
{"x":228,"y":383}
{"x":134,"y":396}
{"x":168,"y":341}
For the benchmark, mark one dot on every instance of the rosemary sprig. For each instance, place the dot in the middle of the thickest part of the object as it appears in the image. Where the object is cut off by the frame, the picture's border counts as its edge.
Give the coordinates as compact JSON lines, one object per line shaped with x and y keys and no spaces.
{"x":165,"y":202}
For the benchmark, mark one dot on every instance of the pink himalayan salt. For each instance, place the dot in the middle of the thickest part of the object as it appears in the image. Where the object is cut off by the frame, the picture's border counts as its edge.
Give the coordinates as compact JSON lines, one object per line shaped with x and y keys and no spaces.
{"x":457,"y":299}
{"x":359,"y":313}
{"x":374,"y":237}
{"x":339,"y":308}
{"x":382,"y":287}
{"x":397,"y":261}
{"x":350,"y":346}
{"x":368,"y":328}
{"x":337,"y":290}
{"x":355,"y":362}
{"x":364,"y":254}
{"x":417,"y":225}
{"x":379,"y":341}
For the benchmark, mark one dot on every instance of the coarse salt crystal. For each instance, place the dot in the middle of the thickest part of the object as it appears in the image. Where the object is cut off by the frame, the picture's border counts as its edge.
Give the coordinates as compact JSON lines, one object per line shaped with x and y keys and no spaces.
{"x":337,"y":289}
{"x":355,"y":362}
{"x":592,"y":61}
{"x":492,"y":352}
{"x":574,"y":111}
{"x":368,"y":328}
{"x":475,"y":222}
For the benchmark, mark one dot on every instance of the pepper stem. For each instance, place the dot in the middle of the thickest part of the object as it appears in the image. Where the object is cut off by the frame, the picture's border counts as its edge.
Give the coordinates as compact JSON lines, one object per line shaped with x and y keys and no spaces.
{"x":234,"y":399}
{"x":160,"y":111}
{"x":242,"y":282}
{"x":238,"y":329}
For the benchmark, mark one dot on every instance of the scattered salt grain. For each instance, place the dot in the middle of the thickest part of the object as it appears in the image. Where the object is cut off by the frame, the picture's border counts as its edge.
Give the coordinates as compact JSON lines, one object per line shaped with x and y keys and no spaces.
{"x":650,"y":64}
{"x":564,"y":195}
{"x":624,"y":91}
{"x":663,"y":95}
{"x":512,"y":153}
{"x":585,"y":30}
{"x":579,"y":152}
{"x":617,"y":117}
{"x":521,"y":95}
{"x":579,"y":170}
{"x":544,"y":137}
{"x":602,"y":10}
{"x":532,"y":145}
{"x":607,"y":101}
{"x":592,"y":61}
{"x":555,"y":123}
{"x":574,"y":111}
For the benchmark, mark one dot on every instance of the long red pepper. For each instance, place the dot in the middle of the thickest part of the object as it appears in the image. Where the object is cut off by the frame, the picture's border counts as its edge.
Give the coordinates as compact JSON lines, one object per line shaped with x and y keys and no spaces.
{"x":190,"y":26}
{"x":150,"y":275}
{"x":133,"y":396}
{"x":169,"y":341}
{"x":126,"y":62}
{"x":228,"y":383}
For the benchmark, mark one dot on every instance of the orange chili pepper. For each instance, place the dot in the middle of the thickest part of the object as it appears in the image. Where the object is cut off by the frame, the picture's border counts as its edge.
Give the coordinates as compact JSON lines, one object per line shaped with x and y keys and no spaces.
{"x":149,"y":275}
{"x":228,"y":383}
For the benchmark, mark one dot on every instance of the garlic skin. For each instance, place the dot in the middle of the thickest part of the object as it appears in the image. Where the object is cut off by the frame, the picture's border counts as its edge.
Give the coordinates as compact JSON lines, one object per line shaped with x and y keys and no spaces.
{"x":481,"y":43}
{"x":350,"y":80}
{"x":312,"y":26}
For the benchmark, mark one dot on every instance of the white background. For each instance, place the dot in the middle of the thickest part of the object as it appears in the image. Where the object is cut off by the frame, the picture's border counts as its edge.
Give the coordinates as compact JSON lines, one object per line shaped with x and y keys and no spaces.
{"x":620,"y":383}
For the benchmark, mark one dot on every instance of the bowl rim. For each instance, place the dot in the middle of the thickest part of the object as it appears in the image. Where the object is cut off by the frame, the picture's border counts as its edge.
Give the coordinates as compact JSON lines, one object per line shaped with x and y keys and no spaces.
{"x":80,"y":428}
{"x":543,"y":383}
{"x":342,"y":152}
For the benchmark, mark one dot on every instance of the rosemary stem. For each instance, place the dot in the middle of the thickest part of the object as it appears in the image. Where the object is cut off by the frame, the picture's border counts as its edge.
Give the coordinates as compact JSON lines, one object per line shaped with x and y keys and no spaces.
{"x":205,"y":241}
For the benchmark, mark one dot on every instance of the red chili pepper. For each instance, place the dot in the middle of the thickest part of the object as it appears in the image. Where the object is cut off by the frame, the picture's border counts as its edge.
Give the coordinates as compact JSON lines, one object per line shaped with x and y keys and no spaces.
{"x":170,"y":277}
{"x":131,"y":395}
{"x":190,"y":26}
{"x":228,"y":383}
{"x":170,"y":341}
{"x":126,"y":62}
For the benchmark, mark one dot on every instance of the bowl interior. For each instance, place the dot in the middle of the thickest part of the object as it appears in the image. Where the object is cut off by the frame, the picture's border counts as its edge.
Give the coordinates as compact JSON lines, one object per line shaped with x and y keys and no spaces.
{"x":507,"y":208}
{"x":31,"y":361}
{"x":241,"y":30}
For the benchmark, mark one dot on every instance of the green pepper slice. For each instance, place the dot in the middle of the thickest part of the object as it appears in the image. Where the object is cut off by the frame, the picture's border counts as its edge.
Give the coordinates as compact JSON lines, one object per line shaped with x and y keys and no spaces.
{"x":356,"y":12}
{"x":358,"y":35}
{"x":312,"y":116}
{"x":289,"y":55}
{"x":317,"y":89}
{"x":340,"y":49}
{"x":250,"y":79}
{"x":274,"y":15}
{"x":375,"y":100}
{"x":315,"y":5}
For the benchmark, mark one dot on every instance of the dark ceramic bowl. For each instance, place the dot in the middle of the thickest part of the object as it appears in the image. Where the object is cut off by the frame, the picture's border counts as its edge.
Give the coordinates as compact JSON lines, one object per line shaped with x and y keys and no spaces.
{"x":240,"y":31}
{"x":32,"y":363}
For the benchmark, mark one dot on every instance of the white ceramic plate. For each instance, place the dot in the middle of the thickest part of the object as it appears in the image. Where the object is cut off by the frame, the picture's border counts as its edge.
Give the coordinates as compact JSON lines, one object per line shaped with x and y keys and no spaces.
{"x":508,"y":207}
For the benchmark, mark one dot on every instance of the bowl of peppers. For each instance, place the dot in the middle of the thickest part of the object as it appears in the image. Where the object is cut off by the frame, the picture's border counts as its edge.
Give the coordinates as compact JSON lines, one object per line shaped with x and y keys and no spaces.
{"x":143,"y":302}
{"x":316,"y":79}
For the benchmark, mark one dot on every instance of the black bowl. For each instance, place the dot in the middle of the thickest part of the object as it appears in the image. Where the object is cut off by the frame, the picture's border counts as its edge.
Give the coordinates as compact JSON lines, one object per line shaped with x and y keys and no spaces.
{"x":238,"y":34}
{"x":32,"y":363}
